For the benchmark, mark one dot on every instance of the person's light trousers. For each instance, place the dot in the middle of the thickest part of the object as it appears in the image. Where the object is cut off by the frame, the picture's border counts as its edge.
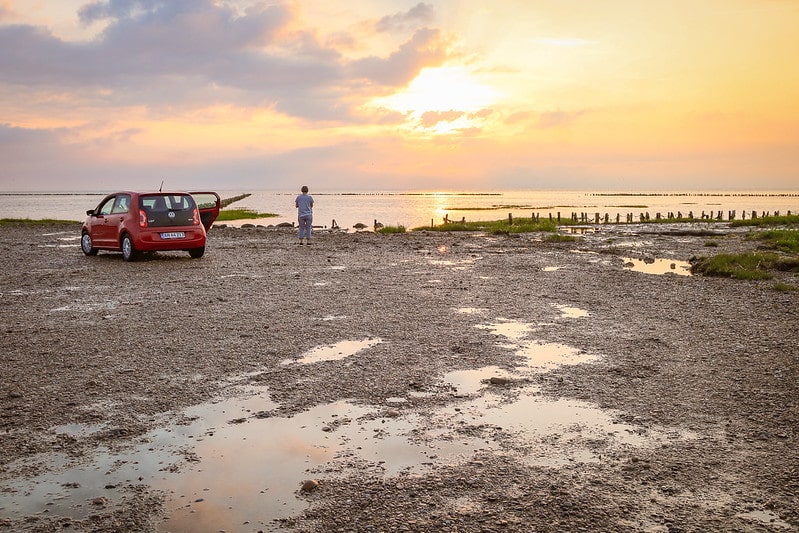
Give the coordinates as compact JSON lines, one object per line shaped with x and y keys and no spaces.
{"x":305,"y":226}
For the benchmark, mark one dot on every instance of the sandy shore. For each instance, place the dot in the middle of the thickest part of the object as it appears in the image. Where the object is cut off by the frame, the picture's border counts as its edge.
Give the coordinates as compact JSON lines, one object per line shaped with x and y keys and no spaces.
{"x":699,"y":375}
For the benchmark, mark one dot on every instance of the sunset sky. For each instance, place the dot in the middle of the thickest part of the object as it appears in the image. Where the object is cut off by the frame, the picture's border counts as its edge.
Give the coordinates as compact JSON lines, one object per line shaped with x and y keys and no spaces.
{"x":631,"y":95}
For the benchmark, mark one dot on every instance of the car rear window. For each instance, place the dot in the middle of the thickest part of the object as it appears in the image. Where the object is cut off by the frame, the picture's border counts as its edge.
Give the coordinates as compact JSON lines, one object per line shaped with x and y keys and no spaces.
{"x":168,"y":209}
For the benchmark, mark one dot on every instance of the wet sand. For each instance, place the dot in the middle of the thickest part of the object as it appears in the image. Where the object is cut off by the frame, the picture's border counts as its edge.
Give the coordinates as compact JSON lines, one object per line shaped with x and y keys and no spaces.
{"x":620,"y":400}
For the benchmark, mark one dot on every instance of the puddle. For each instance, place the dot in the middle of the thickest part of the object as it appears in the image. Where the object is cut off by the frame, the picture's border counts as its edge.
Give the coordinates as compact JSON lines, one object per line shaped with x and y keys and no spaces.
{"x":85,"y":307}
{"x":766,"y":518}
{"x":577,"y":230}
{"x":510,"y":329}
{"x":330,"y":318}
{"x":237,"y":461}
{"x":459,"y":264}
{"x":571,"y":312}
{"x":554,"y":433}
{"x":468,"y":382}
{"x":545,"y":356}
{"x":332,"y":352}
{"x":658,"y":266}
{"x":551,"y":269}
{"x":239,"y":275}
{"x":234,"y":463}
{"x":470,"y":310}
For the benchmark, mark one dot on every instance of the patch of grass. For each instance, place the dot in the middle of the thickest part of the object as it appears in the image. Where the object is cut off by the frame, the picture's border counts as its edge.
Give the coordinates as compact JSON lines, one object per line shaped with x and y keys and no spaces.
{"x":712,"y":244}
{"x":391,"y":229}
{"x":785,"y":287}
{"x":786,"y":240}
{"x":34,"y":222}
{"x":559,"y":237}
{"x":520,"y":225}
{"x":782,"y":220}
{"x":238,"y":214}
{"x":750,"y":265}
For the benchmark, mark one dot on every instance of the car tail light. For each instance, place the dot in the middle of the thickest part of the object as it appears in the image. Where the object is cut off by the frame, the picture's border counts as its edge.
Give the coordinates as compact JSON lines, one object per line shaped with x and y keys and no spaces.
{"x":195,"y":218}
{"x":142,"y":218}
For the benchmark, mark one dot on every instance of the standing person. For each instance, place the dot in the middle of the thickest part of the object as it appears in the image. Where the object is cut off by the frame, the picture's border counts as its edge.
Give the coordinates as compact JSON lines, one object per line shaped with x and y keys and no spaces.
{"x":304,"y":204}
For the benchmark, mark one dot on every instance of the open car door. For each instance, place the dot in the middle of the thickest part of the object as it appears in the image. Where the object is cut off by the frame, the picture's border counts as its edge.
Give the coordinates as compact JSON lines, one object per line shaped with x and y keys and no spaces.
{"x":208,"y":203}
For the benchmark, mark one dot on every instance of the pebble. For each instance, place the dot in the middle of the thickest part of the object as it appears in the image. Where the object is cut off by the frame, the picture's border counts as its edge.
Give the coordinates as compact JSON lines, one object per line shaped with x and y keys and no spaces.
{"x":309,"y":485}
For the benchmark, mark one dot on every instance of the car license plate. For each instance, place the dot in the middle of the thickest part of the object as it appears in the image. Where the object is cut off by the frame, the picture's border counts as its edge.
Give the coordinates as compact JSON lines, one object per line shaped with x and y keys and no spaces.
{"x":174,"y":235}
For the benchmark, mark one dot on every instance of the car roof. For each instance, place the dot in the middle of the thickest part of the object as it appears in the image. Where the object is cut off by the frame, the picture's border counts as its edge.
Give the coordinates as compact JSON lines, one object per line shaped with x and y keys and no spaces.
{"x":147,"y":193}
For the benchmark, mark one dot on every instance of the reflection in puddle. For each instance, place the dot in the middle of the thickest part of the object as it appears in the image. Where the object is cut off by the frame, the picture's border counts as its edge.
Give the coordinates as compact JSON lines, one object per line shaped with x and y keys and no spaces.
{"x":470,"y":310}
{"x":460,"y":264}
{"x":554,"y":432}
{"x":571,"y":312}
{"x":658,"y":266}
{"x":767,"y":518}
{"x":332,"y":352}
{"x":468,"y":382}
{"x":237,"y":461}
{"x":89,"y":307}
{"x":577,"y":230}
{"x":544,"y":356}
{"x":510,"y":329}
{"x":329,"y":318}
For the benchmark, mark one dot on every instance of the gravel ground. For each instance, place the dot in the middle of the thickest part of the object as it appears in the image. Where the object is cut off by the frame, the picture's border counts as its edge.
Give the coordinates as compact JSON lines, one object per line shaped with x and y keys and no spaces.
{"x":714,"y":363}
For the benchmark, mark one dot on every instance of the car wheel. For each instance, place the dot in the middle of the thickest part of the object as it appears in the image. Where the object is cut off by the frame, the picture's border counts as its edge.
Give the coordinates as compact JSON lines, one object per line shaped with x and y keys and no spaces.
{"x":128,"y":251}
{"x":86,"y":244}
{"x":197,"y":253}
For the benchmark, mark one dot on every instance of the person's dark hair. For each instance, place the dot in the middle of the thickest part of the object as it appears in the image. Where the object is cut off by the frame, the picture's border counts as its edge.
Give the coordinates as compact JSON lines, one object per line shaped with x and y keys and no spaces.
{"x":304,"y":188}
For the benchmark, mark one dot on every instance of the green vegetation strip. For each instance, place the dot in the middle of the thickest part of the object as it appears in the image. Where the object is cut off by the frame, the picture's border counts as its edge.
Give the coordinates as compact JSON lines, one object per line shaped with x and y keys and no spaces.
{"x":785,"y":240}
{"x":391,"y":229}
{"x":783,"y":220}
{"x":244,"y":213}
{"x":750,"y":265}
{"x":34,"y":222}
{"x":520,"y":225}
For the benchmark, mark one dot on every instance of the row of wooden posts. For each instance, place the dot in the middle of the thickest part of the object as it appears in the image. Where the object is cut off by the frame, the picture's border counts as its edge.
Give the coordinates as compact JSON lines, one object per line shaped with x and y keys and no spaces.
{"x":596,"y":218}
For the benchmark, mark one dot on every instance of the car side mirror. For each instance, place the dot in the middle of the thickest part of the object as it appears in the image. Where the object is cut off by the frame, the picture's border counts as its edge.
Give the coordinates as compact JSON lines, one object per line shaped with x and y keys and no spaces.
{"x":90,"y":212}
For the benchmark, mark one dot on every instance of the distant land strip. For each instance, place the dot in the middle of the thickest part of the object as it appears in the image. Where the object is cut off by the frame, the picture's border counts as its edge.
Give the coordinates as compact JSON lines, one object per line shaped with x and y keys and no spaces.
{"x":725,"y":194}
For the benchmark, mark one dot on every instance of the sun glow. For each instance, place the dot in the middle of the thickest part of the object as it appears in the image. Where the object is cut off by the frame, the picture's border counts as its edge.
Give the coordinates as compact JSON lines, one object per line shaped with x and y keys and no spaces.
{"x":443,"y":100}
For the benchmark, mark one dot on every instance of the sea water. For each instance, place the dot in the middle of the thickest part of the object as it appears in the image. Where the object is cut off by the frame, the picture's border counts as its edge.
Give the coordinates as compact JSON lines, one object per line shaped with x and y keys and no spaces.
{"x":417,"y":209}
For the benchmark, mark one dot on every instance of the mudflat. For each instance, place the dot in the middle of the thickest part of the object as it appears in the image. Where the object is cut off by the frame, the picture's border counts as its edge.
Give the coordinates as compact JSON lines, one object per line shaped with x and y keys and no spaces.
{"x":687,"y":387}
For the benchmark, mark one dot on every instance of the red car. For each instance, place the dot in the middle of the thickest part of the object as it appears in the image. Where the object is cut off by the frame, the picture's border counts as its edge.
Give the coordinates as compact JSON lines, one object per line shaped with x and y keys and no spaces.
{"x":133,"y":222}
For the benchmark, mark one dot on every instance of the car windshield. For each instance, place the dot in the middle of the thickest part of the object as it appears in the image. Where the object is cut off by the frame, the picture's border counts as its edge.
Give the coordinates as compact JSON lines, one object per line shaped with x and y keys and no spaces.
{"x":168,"y":209}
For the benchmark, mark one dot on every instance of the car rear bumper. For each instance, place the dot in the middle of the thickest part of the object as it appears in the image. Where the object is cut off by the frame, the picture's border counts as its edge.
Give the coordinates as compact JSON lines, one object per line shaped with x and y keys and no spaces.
{"x":152,"y":240}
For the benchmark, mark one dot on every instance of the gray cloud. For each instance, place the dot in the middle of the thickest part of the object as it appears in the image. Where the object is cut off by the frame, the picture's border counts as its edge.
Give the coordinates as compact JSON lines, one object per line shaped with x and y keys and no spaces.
{"x":421,"y":13}
{"x":163,"y":53}
{"x":425,"y":48}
